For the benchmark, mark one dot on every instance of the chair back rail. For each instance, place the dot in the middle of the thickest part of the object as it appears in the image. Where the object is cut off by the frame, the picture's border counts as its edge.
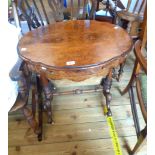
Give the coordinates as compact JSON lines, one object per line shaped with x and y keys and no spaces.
{"x":84,"y":8}
{"x":56,"y":9}
{"x":38,"y":12}
{"x":135,"y":6}
{"x":15,"y":15}
{"x":42,"y":5}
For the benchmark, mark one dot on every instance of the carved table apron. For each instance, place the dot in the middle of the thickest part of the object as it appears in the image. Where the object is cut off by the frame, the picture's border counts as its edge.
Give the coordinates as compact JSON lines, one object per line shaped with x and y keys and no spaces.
{"x":75,"y":50}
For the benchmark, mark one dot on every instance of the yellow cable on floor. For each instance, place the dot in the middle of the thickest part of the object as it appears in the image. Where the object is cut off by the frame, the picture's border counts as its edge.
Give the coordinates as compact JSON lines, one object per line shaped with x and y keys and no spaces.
{"x":113,"y":133}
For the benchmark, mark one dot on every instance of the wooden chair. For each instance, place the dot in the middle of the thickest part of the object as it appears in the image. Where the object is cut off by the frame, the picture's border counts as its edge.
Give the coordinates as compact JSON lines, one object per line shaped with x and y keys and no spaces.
{"x":20,"y":73}
{"x":133,"y":14}
{"x":28,"y":82}
{"x":39,"y":13}
{"x":139,"y":77}
{"x":36,"y":15}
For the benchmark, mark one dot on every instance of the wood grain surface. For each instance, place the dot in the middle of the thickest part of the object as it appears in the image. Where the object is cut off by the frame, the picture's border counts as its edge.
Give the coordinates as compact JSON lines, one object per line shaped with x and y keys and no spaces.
{"x":78,"y":43}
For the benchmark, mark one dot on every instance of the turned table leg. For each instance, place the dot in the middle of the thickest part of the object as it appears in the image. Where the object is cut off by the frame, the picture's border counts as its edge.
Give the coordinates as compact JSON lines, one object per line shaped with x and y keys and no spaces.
{"x":48,"y":97}
{"x":106,"y":83}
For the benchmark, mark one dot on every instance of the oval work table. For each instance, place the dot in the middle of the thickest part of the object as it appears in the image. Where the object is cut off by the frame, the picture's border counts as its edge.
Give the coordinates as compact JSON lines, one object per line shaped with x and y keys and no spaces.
{"x":75,"y":50}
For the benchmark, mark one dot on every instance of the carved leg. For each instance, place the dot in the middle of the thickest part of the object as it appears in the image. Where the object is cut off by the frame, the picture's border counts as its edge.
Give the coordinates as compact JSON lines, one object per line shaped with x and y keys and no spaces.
{"x":106,"y":83}
{"x":29,"y":116}
{"x":48,"y":97}
{"x":48,"y":107}
{"x":21,"y":103}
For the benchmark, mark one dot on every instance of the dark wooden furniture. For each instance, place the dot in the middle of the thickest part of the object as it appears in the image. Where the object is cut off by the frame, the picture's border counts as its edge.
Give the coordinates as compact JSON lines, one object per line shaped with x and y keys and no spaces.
{"x":36,"y":13}
{"x":139,"y":78}
{"x":75,"y":50}
{"x":39,"y":13}
{"x":133,"y":14}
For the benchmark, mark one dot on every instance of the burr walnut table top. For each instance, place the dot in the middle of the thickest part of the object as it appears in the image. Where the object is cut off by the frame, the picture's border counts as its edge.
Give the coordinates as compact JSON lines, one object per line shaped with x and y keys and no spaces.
{"x":76,"y":43}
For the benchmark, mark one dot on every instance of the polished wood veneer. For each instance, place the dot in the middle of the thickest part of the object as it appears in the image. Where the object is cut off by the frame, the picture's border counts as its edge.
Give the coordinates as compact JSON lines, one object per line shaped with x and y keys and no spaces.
{"x":72,"y":48}
{"x":85,"y":42}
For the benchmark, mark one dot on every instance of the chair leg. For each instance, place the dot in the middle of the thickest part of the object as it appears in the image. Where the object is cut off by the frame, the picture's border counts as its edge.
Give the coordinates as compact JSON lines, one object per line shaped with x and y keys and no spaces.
{"x":134,"y":111}
{"x":141,"y":102}
{"x":131,"y":80}
{"x":141,"y":140}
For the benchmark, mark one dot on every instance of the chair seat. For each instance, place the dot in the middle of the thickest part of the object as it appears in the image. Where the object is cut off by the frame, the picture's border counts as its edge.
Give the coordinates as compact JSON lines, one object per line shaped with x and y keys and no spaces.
{"x":143,"y":83}
{"x":129,"y":16}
